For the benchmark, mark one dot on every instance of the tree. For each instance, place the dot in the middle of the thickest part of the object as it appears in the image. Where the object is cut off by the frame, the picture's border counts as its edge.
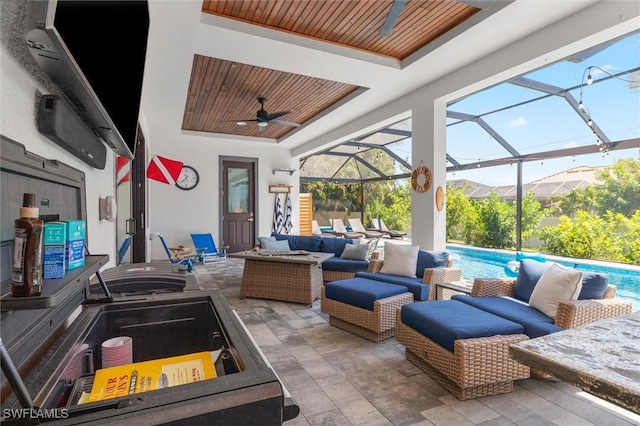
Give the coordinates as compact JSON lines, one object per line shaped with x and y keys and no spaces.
{"x":497,"y":220}
{"x":606,"y":218}
{"x":612,"y":236}
{"x":573,"y":238}
{"x":393,"y":203}
{"x":532,"y":214}
{"x":582,"y":199}
{"x":459,"y":213}
{"x":619,"y":191}
{"x":331,"y":196}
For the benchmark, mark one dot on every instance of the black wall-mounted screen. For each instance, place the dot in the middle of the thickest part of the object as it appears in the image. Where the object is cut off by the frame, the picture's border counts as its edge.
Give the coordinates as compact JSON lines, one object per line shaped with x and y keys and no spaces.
{"x":95,"y":52}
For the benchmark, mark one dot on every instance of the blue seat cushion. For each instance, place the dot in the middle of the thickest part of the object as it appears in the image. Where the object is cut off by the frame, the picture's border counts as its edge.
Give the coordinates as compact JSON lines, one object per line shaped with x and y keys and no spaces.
{"x":529,"y":273}
{"x":445,"y":321}
{"x":361,"y":292}
{"x":420,"y":291}
{"x":301,"y":242}
{"x":534,"y":322}
{"x":594,"y":285}
{"x":335,"y":245}
{"x":345,"y":265}
{"x":431,"y":259}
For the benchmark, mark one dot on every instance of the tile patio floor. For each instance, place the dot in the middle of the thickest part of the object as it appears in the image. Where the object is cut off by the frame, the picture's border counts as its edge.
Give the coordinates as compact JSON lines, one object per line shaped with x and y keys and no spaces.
{"x":341,"y":379}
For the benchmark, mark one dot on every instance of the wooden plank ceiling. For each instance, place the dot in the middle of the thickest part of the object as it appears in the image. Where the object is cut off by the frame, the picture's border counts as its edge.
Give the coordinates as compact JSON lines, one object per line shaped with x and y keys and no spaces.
{"x":221,"y":93}
{"x":352,"y":23}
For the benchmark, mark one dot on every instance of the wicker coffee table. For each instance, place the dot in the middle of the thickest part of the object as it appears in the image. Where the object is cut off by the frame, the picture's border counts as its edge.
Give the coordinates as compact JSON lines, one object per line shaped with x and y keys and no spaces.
{"x":288,"y":277}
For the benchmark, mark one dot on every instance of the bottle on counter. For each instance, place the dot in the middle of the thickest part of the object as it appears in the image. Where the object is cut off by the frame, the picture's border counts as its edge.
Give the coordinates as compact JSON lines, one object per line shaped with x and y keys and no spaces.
{"x":26,"y":276}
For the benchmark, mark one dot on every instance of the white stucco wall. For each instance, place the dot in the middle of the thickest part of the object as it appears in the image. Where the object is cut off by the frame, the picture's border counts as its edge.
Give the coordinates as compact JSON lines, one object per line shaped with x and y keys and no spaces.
{"x":18,"y":90}
{"x":173,"y":212}
{"x":176,"y":213}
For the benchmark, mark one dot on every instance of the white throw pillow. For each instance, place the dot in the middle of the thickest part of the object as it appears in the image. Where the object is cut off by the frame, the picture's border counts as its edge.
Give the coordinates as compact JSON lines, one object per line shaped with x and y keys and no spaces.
{"x":557,"y":284}
{"x":400,"y":260}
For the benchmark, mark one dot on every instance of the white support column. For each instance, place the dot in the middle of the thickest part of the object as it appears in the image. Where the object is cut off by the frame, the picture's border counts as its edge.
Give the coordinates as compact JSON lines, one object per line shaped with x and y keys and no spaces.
{"x":428,"y":225}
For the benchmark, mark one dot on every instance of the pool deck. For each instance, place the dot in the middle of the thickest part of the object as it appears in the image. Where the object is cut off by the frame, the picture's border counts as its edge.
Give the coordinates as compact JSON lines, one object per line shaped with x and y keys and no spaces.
{"x":338,"y":378}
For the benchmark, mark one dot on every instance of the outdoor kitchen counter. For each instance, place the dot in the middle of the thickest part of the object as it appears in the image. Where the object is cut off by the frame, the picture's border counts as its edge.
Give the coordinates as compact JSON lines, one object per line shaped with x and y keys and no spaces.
{"x":602,"y":358}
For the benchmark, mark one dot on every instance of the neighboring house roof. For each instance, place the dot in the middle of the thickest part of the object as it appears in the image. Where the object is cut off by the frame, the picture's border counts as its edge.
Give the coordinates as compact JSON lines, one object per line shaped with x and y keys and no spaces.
{"x":543,"y":188}
{"x":581,"y":173}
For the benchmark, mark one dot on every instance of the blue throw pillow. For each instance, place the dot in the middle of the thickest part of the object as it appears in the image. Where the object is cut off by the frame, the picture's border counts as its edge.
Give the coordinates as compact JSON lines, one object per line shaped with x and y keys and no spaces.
{"x":529,"y":273}
{"x":335,"y":245}
{"x":594,"y":285}
{"x":282,"y":245}
{"x":301,"y":242}
{"x":263,"y":240}
{"x":431,"y":259}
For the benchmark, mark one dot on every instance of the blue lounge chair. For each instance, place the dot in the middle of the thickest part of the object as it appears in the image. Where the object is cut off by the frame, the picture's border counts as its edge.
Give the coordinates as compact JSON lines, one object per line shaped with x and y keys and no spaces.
{"x":186,"y":260}
{"x":206,"y":247}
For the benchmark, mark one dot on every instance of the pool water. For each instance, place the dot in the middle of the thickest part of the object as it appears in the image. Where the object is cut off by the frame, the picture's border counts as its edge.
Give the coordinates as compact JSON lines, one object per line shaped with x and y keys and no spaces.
{"x":487,"y":263}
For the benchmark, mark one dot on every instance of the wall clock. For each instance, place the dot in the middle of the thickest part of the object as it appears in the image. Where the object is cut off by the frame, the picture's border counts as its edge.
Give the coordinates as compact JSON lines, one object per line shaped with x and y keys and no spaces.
{"x":188,"y":178}
{"x":421,"y":178}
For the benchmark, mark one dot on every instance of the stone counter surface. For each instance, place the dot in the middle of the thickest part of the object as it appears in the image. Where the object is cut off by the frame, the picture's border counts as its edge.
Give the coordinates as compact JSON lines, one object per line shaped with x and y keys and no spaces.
{"x":603,"y":358}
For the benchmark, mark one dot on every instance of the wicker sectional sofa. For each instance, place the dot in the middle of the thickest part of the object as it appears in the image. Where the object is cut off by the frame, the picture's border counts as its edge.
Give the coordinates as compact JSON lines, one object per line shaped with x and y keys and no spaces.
{"x":366,"y":304}
{"x":431,"y":267}
{"x":335,"y":268}
{"x":463,"y":343}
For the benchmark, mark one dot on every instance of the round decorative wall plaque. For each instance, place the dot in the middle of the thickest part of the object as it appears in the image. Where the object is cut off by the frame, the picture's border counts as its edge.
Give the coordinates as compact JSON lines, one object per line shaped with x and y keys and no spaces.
{"x":421,"y":178}
{"x":439,"y":198}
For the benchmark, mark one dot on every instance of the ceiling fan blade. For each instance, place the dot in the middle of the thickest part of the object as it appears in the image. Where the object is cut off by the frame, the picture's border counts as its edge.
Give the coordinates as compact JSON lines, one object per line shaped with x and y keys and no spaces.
{"x":480,"y":4}
{"x":392,"y":17}
{"x":275,"y":115}
{"x":286,"y":123}
{"x":236,"y":121}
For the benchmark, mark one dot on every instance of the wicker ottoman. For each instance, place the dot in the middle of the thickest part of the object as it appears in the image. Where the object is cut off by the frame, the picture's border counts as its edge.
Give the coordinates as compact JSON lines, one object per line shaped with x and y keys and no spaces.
{"x":464,"y":349}
{"x":364,"y":307}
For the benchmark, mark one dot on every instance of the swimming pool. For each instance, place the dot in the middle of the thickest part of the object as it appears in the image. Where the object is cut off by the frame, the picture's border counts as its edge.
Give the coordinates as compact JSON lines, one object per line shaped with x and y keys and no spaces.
{"x":480,"y":263}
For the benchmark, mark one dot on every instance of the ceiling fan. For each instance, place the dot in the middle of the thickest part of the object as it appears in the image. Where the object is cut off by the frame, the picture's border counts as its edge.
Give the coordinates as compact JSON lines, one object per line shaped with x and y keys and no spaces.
{"x":263,"y":118}
{"x":398,"y":5}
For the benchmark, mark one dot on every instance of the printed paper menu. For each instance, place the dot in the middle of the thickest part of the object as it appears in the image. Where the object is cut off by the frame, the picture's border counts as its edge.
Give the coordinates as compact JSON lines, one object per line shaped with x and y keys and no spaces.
{"x":150,"y":375}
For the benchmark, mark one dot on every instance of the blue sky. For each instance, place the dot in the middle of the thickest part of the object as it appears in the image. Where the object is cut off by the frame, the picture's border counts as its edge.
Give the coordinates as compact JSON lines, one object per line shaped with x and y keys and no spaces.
{"x":551,"y":123}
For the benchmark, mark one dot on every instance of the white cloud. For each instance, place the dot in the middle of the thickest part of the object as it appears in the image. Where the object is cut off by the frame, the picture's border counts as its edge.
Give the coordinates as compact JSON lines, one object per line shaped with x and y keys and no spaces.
{"x":572,"y":144}
{"x":517,"y":122}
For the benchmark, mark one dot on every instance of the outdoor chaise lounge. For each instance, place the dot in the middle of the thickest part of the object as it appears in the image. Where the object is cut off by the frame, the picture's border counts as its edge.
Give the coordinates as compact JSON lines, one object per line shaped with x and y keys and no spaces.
{"x":315,"y":227}
{"x":357,"y":226}
{"x":380,"y":226}
{"x":463,"y":343}
{"x":340,"y":229}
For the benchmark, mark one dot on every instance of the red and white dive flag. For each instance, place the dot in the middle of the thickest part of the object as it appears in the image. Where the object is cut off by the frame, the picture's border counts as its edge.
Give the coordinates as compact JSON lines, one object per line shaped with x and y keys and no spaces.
{"x":164,"y":170}
{"x":123,"y":169}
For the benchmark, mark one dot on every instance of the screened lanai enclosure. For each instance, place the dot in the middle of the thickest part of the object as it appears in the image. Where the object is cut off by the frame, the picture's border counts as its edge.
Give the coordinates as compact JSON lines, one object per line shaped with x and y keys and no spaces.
{"x":581,"y":112}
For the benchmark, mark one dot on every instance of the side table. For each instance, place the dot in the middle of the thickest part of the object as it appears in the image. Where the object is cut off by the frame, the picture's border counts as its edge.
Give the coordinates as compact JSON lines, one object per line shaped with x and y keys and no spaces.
{"x":444,"y":291}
